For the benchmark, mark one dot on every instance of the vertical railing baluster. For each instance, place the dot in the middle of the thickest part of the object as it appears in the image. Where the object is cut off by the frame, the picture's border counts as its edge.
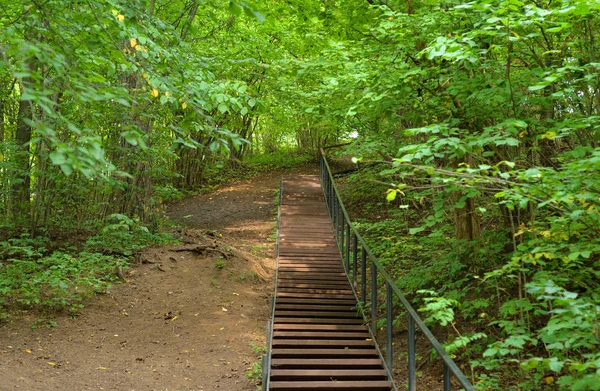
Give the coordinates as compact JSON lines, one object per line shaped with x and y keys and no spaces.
{"x":354,"y":258}
{"x":389,"y":353}
{"x":412,"y":355}
{"x":330,"y":187}
{"x":340,"y":223}
{"x":373,"y":297}
{"x":348,"y":247}
{"x":447,"y":379}
{"x":363,"y":256}
{"x":343,"y":234}
{"x":335,"y":217}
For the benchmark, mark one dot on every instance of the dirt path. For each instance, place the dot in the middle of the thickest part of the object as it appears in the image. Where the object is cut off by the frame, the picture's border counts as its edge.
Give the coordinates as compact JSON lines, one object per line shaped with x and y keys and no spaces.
{"x":183,"y":321}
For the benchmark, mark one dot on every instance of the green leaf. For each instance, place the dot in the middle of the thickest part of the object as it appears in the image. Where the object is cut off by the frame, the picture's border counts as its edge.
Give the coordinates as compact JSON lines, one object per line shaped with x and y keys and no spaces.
{"x":555,"y":365}
{"x":67,"y":169}
{"x":58,"y":157}
{"x":416,"y":230}
{"x":538,"y":87}
{"x":391,"y":195}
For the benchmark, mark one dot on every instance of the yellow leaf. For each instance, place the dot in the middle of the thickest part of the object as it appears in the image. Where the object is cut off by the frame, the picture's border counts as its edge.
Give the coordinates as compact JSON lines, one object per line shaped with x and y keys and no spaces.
{"x":174,"y":318}
{"x":138,"y":47}
{"x":155,"y":92}
{"x":52,"y":364}
{"x":167,"y":93}
{"x":102,"y":369}
{"x":184,"y":105}
{"x":27,"y":350}
{"x":133,"y":42}
{"x":120,"y":18}
{"x":186,"y":378}
{"x":549,"y":135}
{"x":549,"y":379}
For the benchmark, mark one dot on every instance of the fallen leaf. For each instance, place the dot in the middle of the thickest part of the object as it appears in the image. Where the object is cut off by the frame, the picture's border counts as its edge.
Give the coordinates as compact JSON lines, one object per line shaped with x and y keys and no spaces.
{"x":27,"y":350}
{"x":51,"y":363}
{"x":235,"y":294}
{"x":224,"y":309}
{"x":102,"y":369}
{"x":175,"y":317}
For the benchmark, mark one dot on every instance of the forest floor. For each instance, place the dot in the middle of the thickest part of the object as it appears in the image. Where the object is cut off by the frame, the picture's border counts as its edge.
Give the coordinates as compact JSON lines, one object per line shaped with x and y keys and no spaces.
{"x":189,"y":317}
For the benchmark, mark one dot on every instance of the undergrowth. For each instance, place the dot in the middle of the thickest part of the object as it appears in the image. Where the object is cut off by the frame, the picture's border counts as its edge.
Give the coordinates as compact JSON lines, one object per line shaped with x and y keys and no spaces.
{"x":543,"y":339}
{"x":37,"y":274}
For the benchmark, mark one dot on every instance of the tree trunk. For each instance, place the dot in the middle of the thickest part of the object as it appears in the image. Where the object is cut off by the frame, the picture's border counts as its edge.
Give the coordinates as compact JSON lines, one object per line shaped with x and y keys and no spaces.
{"x":1,"y":120}
{"x":466,"y":222}
{"x":21,"y":186}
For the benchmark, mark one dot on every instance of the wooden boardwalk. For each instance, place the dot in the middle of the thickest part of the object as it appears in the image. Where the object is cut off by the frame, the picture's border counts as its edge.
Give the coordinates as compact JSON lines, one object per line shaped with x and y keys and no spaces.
{"x":319,"y":341}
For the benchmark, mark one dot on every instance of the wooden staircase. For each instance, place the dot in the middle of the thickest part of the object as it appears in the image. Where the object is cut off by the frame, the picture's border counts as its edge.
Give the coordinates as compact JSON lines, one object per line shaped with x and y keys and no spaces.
{"x":318,"y":341}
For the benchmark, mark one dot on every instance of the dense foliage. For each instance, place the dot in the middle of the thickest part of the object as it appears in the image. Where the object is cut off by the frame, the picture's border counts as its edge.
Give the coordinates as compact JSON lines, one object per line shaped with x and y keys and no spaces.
{"x":482,"y":115}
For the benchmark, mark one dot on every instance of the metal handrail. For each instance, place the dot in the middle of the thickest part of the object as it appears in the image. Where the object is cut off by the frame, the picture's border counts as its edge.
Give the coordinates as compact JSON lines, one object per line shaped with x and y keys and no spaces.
{"x":350,"y":242}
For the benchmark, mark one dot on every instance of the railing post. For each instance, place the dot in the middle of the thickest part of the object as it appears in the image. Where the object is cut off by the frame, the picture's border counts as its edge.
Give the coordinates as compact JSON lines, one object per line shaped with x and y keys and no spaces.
{"x":412,"y":355}
{"x":354,"y":258}
{"x":343,"y":235}
{"x":329,"y":192}
{"x":447,"y":382}
{"x":389,"y":350}
{"x":348,"y":247}
{"x":373,"y":297}
{"x":340,"y":223}
{"x":363,"y":256}
{"x":335,"y":217}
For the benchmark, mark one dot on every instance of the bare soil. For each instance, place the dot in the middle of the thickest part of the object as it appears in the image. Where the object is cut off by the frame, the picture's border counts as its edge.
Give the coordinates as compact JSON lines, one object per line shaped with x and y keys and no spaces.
{"x":183,"y":320}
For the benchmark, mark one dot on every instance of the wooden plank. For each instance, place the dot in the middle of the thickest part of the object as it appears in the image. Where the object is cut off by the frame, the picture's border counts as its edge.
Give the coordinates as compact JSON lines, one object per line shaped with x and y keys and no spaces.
{"x":318,"y":335}
{"x":347,"y":292}
{"x":320,"y":343}
{"x":303,"y":363}
{"x":314,"y":296}
{"x":321,"y":301}
{"x":368,"y":385}
{"x":322,"y":352}
{"x":315,"y":307}
{"x":328,"y":374}
{"x":320,"y":327}
{"x":318,"y":320}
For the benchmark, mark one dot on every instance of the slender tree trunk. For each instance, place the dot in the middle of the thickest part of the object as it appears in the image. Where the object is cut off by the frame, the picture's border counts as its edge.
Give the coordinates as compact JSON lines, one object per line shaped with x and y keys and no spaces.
{"x":21,"y":187}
